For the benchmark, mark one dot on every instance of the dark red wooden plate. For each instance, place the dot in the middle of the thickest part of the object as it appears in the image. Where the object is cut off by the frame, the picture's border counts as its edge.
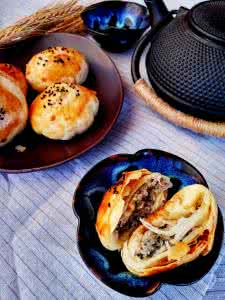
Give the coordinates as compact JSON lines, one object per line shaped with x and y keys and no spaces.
{"x":103,"y":77}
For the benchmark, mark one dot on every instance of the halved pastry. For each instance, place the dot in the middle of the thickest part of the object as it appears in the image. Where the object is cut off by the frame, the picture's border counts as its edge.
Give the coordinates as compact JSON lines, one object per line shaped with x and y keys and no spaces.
{"x":136,"y":195}
{"x":179,"y":232}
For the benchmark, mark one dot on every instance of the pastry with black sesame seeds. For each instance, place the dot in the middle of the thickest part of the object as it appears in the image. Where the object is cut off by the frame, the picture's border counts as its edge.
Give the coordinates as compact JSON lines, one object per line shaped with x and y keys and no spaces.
{"x":58,"y":64}
{"x":61,"y":114}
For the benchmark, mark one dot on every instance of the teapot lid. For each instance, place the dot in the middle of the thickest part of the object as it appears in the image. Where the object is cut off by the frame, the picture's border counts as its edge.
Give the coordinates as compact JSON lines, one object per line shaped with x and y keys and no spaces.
{"x":208,"y":18}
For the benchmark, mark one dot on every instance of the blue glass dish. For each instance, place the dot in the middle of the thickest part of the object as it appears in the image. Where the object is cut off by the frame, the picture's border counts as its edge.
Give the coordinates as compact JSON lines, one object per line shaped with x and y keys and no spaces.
{"x":116,"y":25}
{"x":107,"y":265}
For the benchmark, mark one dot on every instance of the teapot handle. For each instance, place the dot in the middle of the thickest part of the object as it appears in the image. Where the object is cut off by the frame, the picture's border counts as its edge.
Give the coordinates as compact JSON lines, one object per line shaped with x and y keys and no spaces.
{"x":146,"y":92}
{"x":136,"y":58}
{"x":143,"y":42}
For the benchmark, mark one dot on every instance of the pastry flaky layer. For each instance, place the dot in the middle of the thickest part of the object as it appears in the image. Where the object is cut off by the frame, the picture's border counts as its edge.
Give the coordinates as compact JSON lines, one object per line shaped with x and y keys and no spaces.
{"x":15,"y":75}
{"x":179,"y":232}
{"x":56,"y":64}
{"x":136,"y":194}
{"x":13,"y":104}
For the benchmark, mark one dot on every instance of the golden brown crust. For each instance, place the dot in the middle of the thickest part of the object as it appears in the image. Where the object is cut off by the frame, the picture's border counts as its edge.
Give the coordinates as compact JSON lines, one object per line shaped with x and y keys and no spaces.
{"x":54,"y":65}
{"x":63,"y":110}
{"x":15,"y":74}
{"x":13,"y":106}
{"x":193,"y":206}
{"x":112,"y":205}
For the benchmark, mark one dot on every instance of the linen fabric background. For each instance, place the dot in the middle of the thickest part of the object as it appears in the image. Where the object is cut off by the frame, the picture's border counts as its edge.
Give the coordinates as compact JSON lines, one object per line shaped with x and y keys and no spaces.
{"x":38,"y":253}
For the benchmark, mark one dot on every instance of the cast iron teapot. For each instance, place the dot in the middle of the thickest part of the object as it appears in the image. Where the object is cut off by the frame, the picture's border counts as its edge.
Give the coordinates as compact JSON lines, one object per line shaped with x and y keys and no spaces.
{"x":186,"y":57}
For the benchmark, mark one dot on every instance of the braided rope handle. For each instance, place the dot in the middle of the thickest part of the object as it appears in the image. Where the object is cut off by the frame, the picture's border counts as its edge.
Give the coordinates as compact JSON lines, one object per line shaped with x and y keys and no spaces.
{"x":176,"y":117}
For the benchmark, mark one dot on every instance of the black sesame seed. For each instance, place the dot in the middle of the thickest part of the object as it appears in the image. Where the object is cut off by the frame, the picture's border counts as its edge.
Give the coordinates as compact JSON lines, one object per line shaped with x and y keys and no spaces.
{"x":2,"y":111}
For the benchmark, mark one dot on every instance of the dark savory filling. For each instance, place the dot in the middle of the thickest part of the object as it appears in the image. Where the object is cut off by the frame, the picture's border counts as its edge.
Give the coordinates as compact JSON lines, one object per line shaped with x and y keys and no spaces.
{"x":142,"y":203}
{"x":150,"y":244}
{"x":153,"y":244}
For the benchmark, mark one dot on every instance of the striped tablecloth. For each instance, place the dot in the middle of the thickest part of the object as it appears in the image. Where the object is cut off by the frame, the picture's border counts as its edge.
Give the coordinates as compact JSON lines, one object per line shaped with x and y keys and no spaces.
{"x":38,"y":253}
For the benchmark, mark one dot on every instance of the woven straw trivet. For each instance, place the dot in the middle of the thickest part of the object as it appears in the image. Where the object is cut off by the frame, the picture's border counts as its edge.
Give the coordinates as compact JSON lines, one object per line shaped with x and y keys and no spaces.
{"x":176,"y":117}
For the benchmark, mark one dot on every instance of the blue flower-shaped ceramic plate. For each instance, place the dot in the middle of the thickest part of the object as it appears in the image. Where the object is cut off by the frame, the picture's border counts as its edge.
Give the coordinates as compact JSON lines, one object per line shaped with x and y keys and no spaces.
{"x":107,"y":265}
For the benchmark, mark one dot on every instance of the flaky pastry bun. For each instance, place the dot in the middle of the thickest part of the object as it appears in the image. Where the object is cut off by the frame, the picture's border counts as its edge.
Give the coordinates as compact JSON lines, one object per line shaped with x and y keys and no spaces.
{"x":63,"y":110}
{"x":56,"y":64}
{"x":14,"y":74}
{"x":179,"y":232}
{"x":13,"y":105}
{"x":135,"y":195}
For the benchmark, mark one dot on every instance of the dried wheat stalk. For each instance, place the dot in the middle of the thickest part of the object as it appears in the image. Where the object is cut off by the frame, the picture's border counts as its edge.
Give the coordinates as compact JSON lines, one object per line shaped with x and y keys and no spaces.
{"x":63,"y":16}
